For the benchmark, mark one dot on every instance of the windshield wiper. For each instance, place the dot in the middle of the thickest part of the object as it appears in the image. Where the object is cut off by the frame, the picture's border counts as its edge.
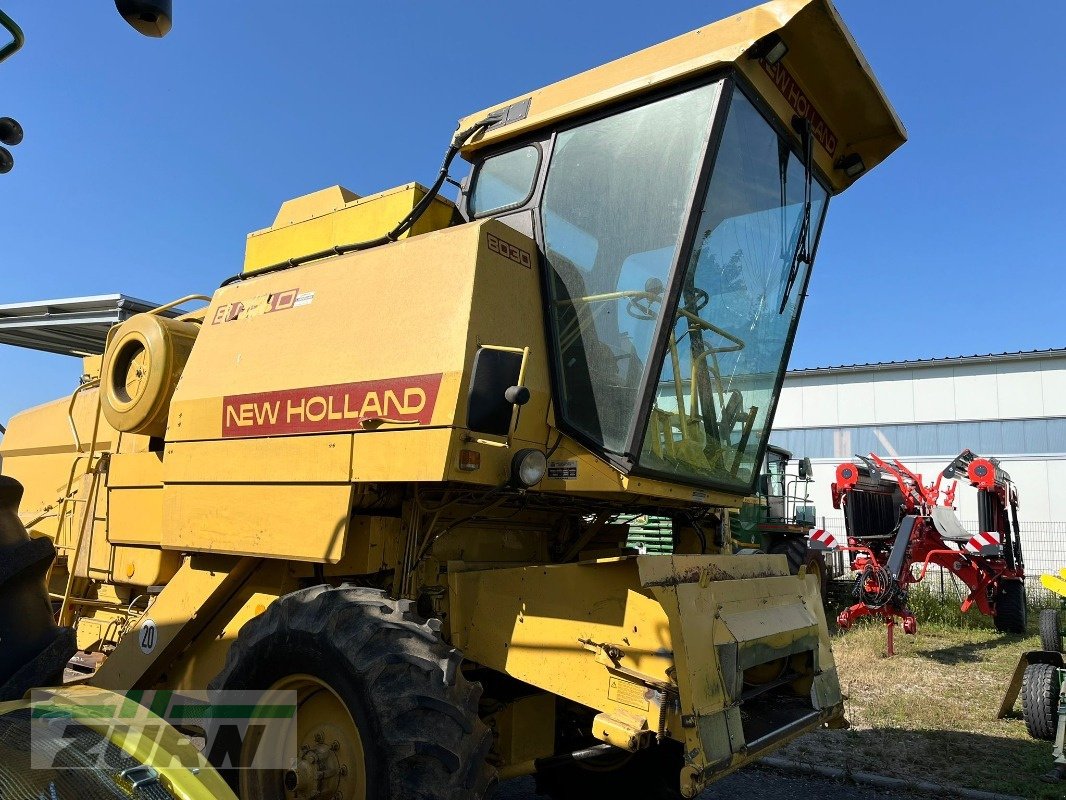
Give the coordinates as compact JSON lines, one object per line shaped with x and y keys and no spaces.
{"x":802,"y":254}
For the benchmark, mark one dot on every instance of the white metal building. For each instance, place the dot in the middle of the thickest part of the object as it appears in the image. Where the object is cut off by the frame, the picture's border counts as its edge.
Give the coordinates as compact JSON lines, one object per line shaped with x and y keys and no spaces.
{"x":1011,"y":406}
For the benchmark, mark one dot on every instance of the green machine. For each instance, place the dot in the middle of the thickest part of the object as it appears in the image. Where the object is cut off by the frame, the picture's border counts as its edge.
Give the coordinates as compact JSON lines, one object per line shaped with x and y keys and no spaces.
{"x":779,"y":516}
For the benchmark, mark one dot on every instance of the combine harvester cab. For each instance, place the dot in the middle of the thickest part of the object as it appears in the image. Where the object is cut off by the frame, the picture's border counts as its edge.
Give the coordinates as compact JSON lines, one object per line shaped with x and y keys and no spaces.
{"x":391,"y":467}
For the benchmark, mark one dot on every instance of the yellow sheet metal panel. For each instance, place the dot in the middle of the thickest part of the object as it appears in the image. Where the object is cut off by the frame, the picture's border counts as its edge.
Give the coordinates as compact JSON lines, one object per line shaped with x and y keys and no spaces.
{"x":135,"y":516}
{"x":189,"y":600}
{"x":198,"y":665}
{"x":309,"y":206}
{"x":374,"y":544}
{"x":542,"y":624}
{"x":135,"y":499}
{"x":319,"y":337}
{"x":314,"y":223}
{"x":303,"y":459}
{"x":720,"y":607}
{"x":47,"y":428}
{"x":419,"y":455}
{"x":823,"y":59}
{"x":575,"y":470}
{"x":135,"y":470}
{"x":144,"y":566}
{"x":303,"y":522}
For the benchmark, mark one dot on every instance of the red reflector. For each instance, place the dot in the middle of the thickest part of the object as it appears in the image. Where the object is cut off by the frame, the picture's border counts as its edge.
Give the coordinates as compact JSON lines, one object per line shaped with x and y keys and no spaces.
{"x":469,"y":460}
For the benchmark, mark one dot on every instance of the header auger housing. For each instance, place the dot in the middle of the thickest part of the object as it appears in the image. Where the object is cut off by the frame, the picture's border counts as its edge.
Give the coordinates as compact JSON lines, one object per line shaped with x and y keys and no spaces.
{"x":396,"y":478}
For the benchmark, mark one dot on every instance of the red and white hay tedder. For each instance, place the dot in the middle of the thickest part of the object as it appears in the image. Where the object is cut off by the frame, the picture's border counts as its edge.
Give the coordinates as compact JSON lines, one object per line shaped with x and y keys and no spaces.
{"x":896,"y":522}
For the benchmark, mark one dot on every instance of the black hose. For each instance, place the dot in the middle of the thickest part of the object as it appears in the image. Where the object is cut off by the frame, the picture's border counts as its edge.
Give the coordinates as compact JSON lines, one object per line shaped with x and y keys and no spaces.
{"x":458,"y":140}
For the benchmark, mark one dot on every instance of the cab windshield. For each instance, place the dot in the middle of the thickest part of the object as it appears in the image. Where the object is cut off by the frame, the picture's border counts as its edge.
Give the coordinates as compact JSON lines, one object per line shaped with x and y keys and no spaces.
{"x":618,"y":195}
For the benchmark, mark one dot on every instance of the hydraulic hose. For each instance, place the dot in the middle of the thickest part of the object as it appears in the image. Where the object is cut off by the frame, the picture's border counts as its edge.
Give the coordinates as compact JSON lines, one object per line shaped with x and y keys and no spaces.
{"x":458,"y":140}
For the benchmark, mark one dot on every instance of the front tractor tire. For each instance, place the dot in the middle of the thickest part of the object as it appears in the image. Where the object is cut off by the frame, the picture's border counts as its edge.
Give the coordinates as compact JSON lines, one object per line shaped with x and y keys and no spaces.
{"x":383,"y":710}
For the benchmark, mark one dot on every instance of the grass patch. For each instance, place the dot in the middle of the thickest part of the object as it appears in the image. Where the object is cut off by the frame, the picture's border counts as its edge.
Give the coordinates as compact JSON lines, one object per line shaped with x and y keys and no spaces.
{"x":929,"y":712}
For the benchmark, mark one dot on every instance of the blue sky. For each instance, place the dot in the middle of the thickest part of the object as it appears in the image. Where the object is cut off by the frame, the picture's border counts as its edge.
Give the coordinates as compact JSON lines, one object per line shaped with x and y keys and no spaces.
{"x":146,"y":162}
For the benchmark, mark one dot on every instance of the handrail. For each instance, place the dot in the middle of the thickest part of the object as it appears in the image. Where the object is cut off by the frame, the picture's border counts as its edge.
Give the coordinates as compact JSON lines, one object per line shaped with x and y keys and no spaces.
{"x":179,"y":302}
{"x":92,"y":383}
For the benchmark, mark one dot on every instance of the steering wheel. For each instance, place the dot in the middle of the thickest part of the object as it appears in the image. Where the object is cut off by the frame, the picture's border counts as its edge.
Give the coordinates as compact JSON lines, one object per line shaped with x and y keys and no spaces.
{"x":639,"y":305}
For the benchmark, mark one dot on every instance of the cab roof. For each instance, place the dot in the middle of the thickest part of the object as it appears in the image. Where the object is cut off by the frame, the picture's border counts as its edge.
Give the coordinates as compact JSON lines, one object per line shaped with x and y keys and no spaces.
{"x":823,"y":76}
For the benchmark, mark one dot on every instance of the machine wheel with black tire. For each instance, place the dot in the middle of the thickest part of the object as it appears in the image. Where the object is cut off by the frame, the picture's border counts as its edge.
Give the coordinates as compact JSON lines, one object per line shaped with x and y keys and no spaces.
{"x":793,"y":548}
{"x":1040,"y":700}
{"x":1050,"y":630}
{"x":1011,"y":612}
{"x":33,"y":649}
{"x":798,"y":554}
{"x":383,"y":710}
{"x":651,"y":774}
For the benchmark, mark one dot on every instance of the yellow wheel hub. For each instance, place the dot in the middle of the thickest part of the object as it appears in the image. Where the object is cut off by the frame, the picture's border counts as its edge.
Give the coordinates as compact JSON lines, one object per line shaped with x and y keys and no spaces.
{"x":331,"y":762}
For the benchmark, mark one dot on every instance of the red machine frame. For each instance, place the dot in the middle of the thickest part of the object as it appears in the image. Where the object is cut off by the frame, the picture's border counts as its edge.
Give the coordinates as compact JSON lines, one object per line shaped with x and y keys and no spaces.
{"x":895,"y":521}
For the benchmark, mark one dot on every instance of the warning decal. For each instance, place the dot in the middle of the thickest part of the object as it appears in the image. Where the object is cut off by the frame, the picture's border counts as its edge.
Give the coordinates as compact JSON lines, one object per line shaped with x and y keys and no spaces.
{"x":322,"y":409}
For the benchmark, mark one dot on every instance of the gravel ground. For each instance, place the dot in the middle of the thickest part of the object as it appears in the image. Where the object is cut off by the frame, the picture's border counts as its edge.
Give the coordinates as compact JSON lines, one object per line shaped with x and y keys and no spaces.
{"x":749,"y":784}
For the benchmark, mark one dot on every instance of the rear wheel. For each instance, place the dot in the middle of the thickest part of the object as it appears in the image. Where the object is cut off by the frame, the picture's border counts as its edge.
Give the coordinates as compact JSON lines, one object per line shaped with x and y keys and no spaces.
{"x":383,"y":711}
{"x":794,"y":549}
{"x":651,"y":774}
{"x":1040,"y":700}
{"x":1011,"y":612}
{"x":1050,"y":631}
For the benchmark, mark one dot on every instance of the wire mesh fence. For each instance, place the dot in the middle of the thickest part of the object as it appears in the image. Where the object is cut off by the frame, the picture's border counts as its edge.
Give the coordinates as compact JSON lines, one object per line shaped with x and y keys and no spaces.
{"x":1043,"y":548}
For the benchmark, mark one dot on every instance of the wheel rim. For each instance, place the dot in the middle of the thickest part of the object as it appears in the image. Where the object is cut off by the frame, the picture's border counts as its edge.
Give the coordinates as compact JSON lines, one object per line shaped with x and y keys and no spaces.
{"x":330,"y":763}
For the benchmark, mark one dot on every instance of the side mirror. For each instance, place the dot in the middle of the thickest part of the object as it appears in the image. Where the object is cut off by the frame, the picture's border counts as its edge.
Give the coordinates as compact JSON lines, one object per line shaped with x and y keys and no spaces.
{"x":806,"y":471}
{"x":17,"y":39}
{"x":10,"y":132}
{"x":150,"y":17}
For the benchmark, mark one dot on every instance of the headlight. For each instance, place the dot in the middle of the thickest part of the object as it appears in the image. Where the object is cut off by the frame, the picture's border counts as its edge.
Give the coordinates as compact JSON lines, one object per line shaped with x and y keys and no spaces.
{"x":527,"y":467}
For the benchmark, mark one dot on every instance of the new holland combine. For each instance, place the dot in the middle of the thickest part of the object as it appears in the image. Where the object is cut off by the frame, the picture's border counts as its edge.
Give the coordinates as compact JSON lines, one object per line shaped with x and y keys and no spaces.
{"x":387,"y":467}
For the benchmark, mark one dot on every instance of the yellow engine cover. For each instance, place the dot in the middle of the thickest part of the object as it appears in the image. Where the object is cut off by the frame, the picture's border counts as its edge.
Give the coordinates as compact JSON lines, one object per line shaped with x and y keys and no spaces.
{"x":335,"y":216}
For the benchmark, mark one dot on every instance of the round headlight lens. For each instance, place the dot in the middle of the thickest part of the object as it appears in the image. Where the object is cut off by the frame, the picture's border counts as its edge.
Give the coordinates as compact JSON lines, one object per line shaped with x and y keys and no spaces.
{"x":528,"y":467}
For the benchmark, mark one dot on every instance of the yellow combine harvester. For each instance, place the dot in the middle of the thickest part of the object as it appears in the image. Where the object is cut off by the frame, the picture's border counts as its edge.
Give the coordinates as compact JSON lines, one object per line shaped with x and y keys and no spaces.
{"x":392,"y":473}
